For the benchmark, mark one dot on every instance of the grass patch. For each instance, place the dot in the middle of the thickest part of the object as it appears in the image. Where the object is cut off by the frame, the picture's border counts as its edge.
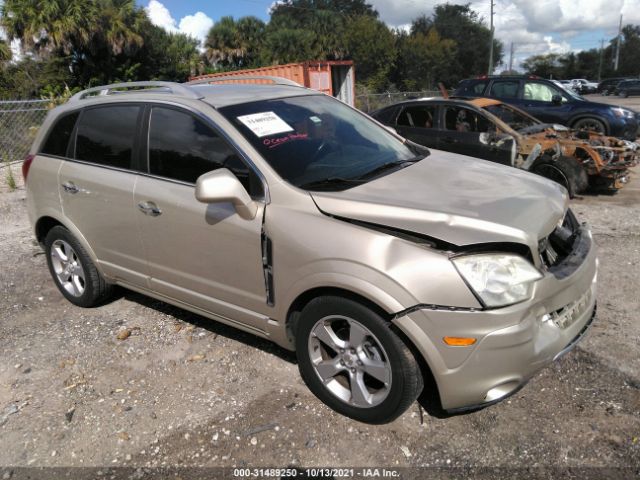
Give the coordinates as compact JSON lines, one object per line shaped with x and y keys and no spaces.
{"x":11,"y":180}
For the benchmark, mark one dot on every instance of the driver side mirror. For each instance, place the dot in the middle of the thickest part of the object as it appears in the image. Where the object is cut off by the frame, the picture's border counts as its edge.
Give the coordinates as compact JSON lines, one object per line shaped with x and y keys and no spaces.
{"x":556,"y":99}
{"x":221,"y":186}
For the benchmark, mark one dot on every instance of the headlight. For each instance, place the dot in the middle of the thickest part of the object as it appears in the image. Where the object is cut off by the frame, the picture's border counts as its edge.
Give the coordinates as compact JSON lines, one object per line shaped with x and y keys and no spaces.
{"x":622,"y":112}
{"x":498,"y":279}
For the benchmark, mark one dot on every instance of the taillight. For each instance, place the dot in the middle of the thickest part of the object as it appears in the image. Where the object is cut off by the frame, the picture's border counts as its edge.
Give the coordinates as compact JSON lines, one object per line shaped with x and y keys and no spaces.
{"x":26,"y":165}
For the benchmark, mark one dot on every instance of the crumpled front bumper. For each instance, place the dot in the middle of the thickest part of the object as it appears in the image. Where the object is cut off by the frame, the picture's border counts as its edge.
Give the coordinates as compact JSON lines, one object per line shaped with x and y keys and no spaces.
{"x":513,"y":343}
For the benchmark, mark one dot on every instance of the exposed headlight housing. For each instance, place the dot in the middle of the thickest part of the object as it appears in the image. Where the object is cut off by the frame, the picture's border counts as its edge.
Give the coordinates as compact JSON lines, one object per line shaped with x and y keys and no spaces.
{"x":499,"y":279}
{"x":622,"y":112}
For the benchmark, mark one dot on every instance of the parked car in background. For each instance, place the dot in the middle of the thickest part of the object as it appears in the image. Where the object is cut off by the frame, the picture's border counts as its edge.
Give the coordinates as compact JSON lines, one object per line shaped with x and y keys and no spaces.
{"x":608,"y":85}
{"x":583,"y":86}
{"x":627,"y":88}
{"x":286,"y":213}
{"x":550,"y":103}
{"x":492,"y":130}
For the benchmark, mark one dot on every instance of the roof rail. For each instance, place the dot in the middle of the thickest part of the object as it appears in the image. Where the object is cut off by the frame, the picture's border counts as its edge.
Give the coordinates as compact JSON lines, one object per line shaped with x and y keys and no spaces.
{"x":226,"y":78}
{"x":172,"y":87}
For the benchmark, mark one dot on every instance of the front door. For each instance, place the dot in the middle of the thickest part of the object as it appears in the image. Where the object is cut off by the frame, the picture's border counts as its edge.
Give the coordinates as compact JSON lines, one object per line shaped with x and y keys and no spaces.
{"x":204,"y":255}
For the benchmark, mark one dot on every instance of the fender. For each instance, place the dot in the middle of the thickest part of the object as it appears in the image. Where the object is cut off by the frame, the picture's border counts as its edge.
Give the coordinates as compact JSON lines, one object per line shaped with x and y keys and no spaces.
{"x":65,"y":222}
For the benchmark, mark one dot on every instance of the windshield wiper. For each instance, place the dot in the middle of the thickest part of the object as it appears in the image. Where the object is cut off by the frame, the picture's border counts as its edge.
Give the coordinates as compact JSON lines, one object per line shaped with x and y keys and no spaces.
{"x":390,"y":165}
{"x":331,"y":182}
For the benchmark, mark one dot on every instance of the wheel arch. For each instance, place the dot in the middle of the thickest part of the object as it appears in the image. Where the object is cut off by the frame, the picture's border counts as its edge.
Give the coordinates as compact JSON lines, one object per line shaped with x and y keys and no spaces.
{"x":598,"y":117}
{"x":45,"y":223}
{"x":307,"y":296}
{"x":424,"y":355}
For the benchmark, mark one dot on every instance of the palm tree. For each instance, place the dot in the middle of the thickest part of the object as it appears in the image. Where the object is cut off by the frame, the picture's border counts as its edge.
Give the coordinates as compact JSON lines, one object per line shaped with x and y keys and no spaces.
{"x":120,"y":25}
{"x":5,"y":52}
{"x":250,"y":32}
{"x":222,"y":46}
{"x":45,"y":26}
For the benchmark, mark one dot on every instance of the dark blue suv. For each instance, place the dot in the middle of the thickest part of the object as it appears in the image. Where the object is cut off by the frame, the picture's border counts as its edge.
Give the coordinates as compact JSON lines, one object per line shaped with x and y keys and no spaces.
{"x":549,"y":102}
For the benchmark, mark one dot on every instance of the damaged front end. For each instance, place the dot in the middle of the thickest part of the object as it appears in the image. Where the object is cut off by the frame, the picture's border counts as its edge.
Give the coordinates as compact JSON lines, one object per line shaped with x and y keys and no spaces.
{"x":606,"y":160}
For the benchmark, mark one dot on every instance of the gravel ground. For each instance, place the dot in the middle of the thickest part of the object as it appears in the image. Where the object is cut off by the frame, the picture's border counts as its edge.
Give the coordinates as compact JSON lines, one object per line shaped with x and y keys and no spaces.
{"x":181,"y":390}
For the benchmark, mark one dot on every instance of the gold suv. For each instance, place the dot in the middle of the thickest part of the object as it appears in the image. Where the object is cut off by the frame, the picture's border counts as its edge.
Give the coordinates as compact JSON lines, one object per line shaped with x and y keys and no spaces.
{"x":288,"y":214}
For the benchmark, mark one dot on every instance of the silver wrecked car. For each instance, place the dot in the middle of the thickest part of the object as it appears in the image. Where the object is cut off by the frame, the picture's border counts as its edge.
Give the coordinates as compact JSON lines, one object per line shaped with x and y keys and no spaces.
{"x":285,"y":213}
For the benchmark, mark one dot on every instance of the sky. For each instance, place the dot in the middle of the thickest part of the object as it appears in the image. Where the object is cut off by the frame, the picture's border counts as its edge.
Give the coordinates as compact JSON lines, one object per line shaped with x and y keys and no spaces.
{"x":534,"y":26}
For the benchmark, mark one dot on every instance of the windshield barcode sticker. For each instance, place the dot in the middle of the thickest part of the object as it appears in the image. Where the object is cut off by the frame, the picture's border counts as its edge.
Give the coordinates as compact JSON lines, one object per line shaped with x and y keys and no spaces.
{"x":265,"y":123}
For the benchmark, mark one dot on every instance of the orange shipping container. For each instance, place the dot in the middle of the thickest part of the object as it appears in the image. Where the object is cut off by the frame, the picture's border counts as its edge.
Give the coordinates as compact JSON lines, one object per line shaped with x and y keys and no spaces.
{"x":335,"y":78}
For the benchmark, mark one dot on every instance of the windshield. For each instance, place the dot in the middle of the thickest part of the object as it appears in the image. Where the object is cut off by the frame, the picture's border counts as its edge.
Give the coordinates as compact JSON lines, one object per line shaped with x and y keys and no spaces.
{"x":512,"y":117}
{"x":313,"y":139}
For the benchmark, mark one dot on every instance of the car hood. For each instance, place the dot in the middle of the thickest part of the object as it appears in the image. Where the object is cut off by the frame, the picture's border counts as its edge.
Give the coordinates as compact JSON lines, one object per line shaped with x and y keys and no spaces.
{"x":455,"y":199}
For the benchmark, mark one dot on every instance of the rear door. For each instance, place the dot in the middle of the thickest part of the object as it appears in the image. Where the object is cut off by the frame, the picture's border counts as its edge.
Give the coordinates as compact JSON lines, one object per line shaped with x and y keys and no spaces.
{"x":418,"y":123}
{"x":204,"y":255}
{"x":507,"y":90}
{"x":96,"y":188}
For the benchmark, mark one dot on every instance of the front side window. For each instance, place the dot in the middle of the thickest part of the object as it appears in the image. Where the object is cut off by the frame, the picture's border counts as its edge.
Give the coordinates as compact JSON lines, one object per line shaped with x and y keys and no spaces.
{"x":182,"y":147}
{"x":539,"y":91}
{"x":59,"y":136}
{"x":106,"y":135}
{"x":461,"y":119}
{"x":313,"y":138}
{"x":418,"y":116}
{"x":512,"y":117}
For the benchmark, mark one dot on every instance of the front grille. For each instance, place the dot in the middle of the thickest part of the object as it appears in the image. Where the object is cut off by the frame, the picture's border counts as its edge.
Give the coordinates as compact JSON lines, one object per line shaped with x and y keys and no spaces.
{"x":566,"y":316}
{"x":555,"y":248}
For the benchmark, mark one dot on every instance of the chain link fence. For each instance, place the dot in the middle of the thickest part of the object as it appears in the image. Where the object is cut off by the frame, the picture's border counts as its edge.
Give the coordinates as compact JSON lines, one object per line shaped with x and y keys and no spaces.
{"x":19,"y":123}
{"x":373,"y":101}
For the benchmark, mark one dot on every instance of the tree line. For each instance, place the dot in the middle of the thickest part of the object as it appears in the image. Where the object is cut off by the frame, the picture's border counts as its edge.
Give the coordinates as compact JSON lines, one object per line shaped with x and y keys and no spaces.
{"x":82,"y":43}
{"x":592,"y":63}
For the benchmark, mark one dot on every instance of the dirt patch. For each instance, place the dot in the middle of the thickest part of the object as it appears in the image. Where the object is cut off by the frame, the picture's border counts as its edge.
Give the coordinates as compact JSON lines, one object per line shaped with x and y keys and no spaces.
{"x":181,"y":390}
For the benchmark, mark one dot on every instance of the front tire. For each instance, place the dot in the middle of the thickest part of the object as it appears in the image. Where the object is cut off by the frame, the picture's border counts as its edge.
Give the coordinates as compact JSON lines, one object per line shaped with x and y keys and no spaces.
{"x":351,"y":359}
{"x":565,"y":170}
{"x":72,"y":270}
{"x":592,"y":124}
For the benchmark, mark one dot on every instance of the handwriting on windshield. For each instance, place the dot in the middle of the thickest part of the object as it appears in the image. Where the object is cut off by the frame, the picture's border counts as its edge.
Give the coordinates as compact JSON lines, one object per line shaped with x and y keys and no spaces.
{"x":275,"y":142}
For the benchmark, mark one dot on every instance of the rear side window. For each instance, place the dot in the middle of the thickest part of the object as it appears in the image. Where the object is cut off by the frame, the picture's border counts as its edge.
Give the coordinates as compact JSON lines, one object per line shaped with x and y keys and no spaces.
{"x":106,"y":135}
{"x":418,"y":116}
{"x":182,"y":147}
{"x":59,"y":136}
{"x":505,"y":89}
{"x":471,"y":88}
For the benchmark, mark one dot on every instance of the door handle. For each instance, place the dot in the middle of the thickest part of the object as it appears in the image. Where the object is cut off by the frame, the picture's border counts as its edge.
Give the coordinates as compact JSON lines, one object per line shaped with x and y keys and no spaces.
{"x":149,"y":208}
{"x":449,"y":140}
{"x":70,"y":187}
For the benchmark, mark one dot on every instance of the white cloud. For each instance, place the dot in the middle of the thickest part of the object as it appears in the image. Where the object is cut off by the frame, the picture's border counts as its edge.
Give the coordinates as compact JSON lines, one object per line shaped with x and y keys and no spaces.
{"x":196,"y":25}
{"x":535,"y":27}
{"x":160,"y":16}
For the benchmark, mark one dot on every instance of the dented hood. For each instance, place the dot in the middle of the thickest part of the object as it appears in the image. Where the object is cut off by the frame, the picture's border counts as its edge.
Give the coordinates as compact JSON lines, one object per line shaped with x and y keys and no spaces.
{"x":456,"y":199}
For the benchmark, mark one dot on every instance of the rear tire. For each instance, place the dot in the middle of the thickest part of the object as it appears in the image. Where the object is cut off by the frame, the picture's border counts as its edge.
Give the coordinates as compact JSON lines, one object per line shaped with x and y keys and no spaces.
{"x":565,"y":170}
{"x":72,"y":270}
{"x":351,"y":359}
{"x":591,"y":124}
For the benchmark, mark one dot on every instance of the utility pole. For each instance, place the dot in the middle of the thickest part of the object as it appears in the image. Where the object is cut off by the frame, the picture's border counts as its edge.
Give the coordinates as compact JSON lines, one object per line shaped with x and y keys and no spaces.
{"x":511,"y":58}
{"x":615,"y":67}
{"x":601,"y":55}
{"x":491,"y":45}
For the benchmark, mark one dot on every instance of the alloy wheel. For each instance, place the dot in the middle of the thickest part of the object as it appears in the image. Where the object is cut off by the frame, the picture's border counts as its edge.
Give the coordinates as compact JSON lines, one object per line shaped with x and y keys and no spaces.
{"x":67,"y":267}
{"x":350,"y":361}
